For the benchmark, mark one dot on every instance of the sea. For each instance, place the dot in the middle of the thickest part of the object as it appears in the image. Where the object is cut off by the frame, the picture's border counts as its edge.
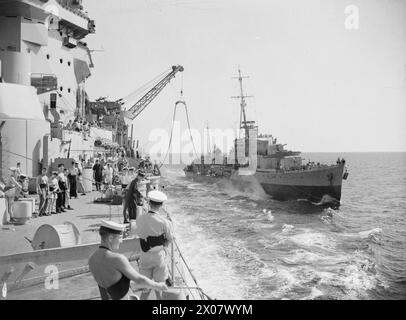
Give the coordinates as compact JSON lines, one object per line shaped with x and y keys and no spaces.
{"x":242,"y":244}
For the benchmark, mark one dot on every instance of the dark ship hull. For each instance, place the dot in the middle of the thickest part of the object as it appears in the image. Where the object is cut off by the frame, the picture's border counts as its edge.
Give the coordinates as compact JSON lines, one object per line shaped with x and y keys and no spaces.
{"x":316,"y":185}
{"x":310,"y":184}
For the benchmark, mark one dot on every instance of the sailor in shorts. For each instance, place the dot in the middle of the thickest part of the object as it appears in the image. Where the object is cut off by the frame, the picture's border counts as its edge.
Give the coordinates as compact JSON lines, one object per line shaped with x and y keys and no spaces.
{"x":53,"y":193}
{"x":155,"y":233}
{"x":112,"y":270}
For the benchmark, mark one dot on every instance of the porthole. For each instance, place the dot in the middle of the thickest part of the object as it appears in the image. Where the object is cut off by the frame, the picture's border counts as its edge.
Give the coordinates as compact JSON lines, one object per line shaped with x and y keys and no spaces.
{"x":69,"y":90}
{"x":48,"y":56}
{"x":61,"y":60}
{"x":60,"y":88}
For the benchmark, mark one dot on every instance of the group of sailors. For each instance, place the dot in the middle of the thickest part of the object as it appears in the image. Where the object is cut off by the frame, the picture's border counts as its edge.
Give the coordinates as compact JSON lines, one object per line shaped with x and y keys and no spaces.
{"x":109,"y":174}
{"x":80,"y":125}
{"x":55,"y":191}
{"x":15,"y":186}
{"x":113,"y":272}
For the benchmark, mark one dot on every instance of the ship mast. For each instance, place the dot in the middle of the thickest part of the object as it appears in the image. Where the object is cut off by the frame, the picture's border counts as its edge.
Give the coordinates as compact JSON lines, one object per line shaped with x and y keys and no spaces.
{"x":208,"y":142}
{"x":244,"y":124}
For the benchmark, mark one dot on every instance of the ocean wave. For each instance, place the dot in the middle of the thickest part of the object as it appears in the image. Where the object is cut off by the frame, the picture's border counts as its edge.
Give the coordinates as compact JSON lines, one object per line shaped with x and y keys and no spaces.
{"x":373,"y":235}
{"x":247,"y":189}
{"x":287,"y":228}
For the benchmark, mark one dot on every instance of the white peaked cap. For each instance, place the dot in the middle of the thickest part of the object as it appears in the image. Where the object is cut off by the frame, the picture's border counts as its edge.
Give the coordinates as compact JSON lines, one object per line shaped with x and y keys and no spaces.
{"x":157,"y":196}
{"x":113,"y":225}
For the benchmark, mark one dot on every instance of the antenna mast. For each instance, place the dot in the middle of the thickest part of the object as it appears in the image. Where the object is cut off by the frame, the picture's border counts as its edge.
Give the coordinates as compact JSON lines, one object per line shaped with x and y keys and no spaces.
{"x":244,"y":124}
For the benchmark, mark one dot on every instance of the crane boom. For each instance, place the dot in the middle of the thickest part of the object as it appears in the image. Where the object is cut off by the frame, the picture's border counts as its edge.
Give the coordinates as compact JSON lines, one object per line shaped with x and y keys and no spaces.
{"x":141,"y":104}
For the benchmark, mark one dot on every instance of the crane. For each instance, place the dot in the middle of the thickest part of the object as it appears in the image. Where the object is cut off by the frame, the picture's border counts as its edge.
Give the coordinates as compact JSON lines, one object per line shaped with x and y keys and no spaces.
{"x":142,"y":103}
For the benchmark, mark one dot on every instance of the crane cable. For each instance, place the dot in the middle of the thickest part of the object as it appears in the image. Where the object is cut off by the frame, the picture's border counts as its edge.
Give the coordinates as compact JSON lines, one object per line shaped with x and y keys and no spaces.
{"x":133,"y":95}
{"x":173,"y":124}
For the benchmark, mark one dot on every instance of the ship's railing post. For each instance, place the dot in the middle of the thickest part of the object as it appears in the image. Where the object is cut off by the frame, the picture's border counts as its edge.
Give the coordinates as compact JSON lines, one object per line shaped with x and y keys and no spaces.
{"x":172,"y":262}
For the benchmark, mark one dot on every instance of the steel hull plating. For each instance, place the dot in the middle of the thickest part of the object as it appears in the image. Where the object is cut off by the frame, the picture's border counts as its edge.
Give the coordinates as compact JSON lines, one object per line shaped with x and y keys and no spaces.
{"x":312,"y":184}
{"x":311,"y":193}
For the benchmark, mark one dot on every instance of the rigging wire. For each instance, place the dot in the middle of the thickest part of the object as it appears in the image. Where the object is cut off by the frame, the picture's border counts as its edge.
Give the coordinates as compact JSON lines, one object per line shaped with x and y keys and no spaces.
{"x":133,"y":95}
{"x":185,"y":263}
{"x":173,"y":124}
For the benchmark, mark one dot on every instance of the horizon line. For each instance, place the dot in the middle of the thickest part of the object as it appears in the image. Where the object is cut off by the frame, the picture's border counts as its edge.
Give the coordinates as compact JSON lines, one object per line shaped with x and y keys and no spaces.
{"x":321,"y":152}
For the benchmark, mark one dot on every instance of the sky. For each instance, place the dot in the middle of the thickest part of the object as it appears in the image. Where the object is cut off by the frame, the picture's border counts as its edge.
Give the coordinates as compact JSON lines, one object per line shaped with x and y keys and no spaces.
{"x":320,"y":81}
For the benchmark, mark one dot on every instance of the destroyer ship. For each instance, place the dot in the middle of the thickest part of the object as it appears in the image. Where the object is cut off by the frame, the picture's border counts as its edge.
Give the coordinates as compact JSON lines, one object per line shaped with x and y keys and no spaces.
{"x":44,"y":66}
{"x":281,"y":173}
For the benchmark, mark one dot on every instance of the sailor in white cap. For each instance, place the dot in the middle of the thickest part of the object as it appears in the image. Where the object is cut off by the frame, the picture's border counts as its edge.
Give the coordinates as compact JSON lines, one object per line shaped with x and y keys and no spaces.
{"x":124,"y":178}
{"x":155,"y":233}
{"x":111,"y":270}
{"x":131,"y":174}
{"x":24,"y":185}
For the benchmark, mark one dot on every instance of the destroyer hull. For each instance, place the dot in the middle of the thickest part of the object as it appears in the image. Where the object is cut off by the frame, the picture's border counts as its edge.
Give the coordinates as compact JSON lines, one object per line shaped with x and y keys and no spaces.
{"x":312,"y":184}
{"x":311,"y":193}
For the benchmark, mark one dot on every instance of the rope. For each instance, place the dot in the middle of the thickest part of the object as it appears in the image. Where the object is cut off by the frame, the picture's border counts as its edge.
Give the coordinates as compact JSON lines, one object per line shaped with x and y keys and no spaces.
{"x":173,"y":124}
{"x":188,"y":268}
{"x":127,"y":100}
{"x":17,"y":154}
{"x":184,"y":281}
{"x":185,"y":263}
{"x":190,"y":131}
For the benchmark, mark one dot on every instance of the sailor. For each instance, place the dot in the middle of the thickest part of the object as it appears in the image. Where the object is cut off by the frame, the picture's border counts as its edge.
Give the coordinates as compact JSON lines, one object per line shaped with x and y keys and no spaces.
{"x":69,"y":125}
{"x":108,"y":174}
{"x":133,"y":199}
{"x":80,"y":187}
{"x":42,"y":190}
{"x":98,"y":174}
{"x":112,"y":271}
{"x":156,"y":171}
{"x":18,"y":170}
{"x":53,"y":193}
{"x":124,"y":178}
{"x":141,"y":165}
{"x":142,"y":183}
{"x":131,"y":173}
{"x":10,"y":192}
{"x":24,"y":185}
{"x":72,"y":176}
{"x":155,"y":233}
{"x":148,"y":164}
{"x":67,"y":191}
{"x":62,"y":183}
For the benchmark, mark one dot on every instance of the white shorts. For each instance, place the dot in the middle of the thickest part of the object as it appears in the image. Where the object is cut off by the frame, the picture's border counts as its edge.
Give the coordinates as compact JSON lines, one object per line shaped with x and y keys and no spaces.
{"x":153,"y":265}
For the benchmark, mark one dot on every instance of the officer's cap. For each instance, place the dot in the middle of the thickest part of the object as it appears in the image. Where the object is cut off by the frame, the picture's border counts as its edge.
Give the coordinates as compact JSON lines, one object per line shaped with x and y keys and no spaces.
{"x":112,"y":227}
{"x":157,"y":196}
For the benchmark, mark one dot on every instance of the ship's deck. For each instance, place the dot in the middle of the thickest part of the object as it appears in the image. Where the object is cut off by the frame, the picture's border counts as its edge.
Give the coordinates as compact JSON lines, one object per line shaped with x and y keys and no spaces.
{"x":86,"y":216}
{"x":78,"y":283}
